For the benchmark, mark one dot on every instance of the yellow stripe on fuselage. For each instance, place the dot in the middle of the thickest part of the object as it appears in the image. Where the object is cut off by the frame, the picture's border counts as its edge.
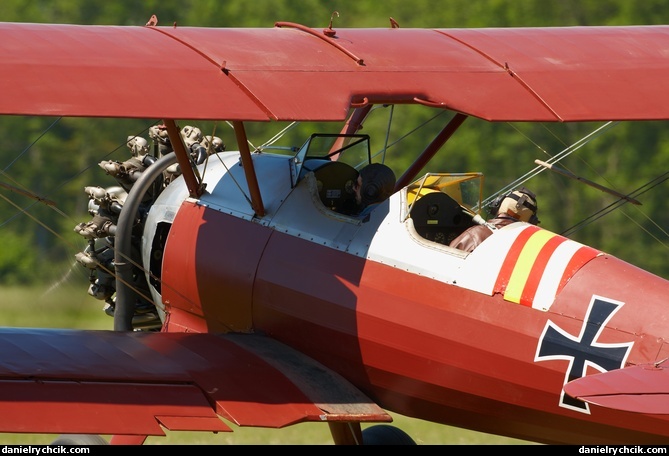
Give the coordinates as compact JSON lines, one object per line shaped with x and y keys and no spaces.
{"x":523,"y":267}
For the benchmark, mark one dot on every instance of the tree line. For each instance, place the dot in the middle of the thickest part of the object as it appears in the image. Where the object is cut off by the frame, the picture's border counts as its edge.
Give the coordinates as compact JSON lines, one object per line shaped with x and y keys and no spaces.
{"x":54,"y":159}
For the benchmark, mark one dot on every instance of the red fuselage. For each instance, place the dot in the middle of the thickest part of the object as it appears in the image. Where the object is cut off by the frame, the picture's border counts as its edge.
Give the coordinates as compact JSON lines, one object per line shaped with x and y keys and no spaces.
{"x":417,"y":346}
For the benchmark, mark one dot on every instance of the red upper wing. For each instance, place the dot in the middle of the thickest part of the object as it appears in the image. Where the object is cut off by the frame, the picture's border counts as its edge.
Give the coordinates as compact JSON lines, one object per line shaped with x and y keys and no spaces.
{"x":532,"y":74}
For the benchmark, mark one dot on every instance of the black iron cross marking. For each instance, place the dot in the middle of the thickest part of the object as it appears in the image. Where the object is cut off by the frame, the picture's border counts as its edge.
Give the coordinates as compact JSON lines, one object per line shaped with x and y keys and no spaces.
{"x":584,"y":350}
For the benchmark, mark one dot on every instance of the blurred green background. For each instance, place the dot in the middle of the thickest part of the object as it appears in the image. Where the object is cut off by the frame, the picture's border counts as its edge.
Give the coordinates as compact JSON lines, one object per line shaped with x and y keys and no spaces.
{"x":41,"y":287}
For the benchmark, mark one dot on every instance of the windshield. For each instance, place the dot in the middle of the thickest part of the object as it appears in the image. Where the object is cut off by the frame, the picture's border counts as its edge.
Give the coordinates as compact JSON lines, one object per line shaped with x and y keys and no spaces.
{"x":353,"y":150}
{"x":465,"y":188}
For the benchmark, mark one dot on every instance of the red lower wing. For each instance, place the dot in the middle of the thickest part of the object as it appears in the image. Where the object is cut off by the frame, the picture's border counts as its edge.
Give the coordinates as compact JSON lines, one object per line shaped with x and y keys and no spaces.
{"x":110,"y":382}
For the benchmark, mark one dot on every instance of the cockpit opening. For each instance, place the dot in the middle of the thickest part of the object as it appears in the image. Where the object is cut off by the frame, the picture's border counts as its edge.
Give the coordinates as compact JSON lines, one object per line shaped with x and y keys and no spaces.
{"x":441,"y":206}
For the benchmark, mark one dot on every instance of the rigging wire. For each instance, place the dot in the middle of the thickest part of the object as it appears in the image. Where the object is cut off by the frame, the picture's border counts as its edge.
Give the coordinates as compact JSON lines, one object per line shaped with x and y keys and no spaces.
{"x":387,"y":146}
{"x":616,"y":204}
{"x":553,"y":159}
{"x":276,"y":137}
{"x":25,"y":210}
{"x":604,"y":211}
{"x":19,"y":185}
{"x":112,"y":273}
{"x":265,"y":145}
{"x":53,"y":124}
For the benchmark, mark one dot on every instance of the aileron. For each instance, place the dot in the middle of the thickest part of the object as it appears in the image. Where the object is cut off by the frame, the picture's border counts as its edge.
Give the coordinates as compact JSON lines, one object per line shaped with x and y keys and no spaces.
{"x":111,"y":382}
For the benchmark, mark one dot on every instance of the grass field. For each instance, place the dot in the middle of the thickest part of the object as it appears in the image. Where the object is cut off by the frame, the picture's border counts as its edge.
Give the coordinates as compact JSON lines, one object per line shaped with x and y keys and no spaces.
{"x":69,"y":306}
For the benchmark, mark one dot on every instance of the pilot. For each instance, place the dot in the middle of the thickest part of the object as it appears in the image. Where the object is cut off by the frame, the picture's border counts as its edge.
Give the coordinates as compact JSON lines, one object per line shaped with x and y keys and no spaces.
{"x":518,"y":206}
{"x":375,"y":184}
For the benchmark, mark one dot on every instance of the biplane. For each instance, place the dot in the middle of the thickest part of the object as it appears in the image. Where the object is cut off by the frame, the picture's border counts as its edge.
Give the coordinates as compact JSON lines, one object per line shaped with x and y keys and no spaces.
{"x":243,"y":291}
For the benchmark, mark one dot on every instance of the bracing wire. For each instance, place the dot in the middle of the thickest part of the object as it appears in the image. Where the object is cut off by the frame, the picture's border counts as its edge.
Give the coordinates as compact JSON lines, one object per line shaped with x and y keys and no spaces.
{"x":554,"y":159}
{"x":616,"y":204}
{"x":604,"y":211}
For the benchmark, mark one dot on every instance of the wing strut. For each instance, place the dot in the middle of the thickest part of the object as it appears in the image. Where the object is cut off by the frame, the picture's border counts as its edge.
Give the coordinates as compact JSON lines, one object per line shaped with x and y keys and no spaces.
{"x":352,"y":126}
{"x":195,"y":188}
{"x":431,"y":149}
{"x":249,"y":170}
{"x":346,"y":433}
{"x":354,"y":123}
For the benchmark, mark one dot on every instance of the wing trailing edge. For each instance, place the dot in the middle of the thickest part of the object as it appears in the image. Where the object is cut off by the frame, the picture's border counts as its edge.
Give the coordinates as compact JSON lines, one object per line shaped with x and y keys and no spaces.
{"x":136,"y":383}
{"x":640,"y":389}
